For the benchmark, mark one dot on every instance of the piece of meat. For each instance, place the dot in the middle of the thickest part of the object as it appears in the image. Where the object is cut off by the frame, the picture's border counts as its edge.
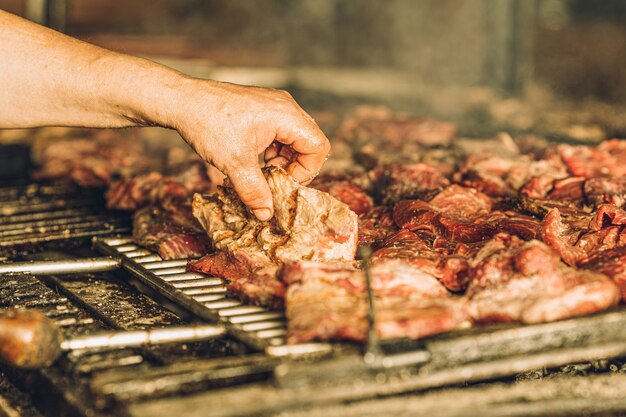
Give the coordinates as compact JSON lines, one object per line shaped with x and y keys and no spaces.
{"x":153,"y":229}
{"x":456,"y":213}
{"x":345,"y":191}
{"x":606,"y":191}
{"x":605,"y":231}
{"x":512,"y":280}
{"x":327,"y":301}
{"x":546,"y":187}
{"x":376,"y":225}
{"x":142,"y":190}
{"x":184,"y":176}
{"x":409,"y":181}
{"x":380,"y":125}
{"x":407,"y":246}
{"x":562,"y":237}
{"x":605,"y":160}
{"x":611,"y":262}
{"x":250,"y":275}
{"x":572,"y":213}
{"x":307,"y":224}
{"x":500,"y":177}
{"x":91,"y":162}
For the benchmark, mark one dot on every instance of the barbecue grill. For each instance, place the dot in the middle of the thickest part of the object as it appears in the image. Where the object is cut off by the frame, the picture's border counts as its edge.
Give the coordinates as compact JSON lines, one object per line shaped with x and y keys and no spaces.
{"x":65,"y":255}
{"x":90,"y":277}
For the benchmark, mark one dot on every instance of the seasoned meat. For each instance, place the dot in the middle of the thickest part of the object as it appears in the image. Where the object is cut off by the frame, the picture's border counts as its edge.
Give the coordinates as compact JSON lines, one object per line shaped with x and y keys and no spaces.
{"x":376,"y":225}
{"x":91,"y":162}
{"x":606,"y":191}
{"x":611,"y":262}
{"x":410,"y":248}
{"x":307,"y":224}
{"x":605,"y":230}
{"x":513,"y":280}
{"x":154,"y":229}
{"x":398,"y":182}
{"x":326,"y":301}
{"x":605,"y":160}
{"x":499,"y":177}
{"x":185,"y":175}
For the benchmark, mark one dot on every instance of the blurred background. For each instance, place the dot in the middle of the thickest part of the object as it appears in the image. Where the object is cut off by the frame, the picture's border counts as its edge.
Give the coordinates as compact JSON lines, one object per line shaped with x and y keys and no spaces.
{"x":515,"y":64}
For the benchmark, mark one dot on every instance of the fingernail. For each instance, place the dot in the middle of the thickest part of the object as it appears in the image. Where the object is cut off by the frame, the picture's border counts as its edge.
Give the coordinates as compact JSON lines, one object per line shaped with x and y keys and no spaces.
{"x":263,"y":214}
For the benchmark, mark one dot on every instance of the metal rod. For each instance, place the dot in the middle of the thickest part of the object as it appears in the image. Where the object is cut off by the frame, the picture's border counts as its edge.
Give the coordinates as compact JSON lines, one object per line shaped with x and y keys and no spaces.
{"x":372,"y":348}
{"x":62,"y":266}
{"x":124,"y":339}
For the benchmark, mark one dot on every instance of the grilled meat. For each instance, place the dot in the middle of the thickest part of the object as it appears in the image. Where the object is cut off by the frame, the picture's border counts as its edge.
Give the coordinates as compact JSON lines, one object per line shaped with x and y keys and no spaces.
{"x":155,"y":229}
{"x":326,"y":301}
{"x":513,"y":280}
{"x":307,"y":224}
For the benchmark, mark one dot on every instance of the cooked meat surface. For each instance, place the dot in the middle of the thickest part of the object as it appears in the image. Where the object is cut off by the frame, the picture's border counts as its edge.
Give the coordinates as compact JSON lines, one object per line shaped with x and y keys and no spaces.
{"x":307,"y":224}
{"x":522,"y":231}
{"x":513,"y":280}
{"x":156,"y":230}
{"x":326,"y":301}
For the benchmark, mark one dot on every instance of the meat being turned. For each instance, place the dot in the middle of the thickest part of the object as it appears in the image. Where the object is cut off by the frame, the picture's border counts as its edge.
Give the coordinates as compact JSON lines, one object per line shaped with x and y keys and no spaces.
{"x":512,"y":280}
{"x":307,"y":224}
{"x":157,"y":230}
{"x":327,"y":301}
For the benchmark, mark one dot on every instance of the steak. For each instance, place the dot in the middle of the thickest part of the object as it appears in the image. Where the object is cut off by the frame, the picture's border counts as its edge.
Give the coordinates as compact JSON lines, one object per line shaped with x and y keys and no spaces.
{"x":611,"y":262}
{"x":307,"y":224}
{"x":407,"y":246}
{"x":91,"y":162}
{"x":606,"y":191}
{"x":605,"y":160}
{"x":327,"y":301}
{"x":512,"y":280}
{"x":499,"y":177}
{"x":409,"y":181}
{"x":154,"y":229}
{"x":376,"y":225}
{"x":605,"y":231}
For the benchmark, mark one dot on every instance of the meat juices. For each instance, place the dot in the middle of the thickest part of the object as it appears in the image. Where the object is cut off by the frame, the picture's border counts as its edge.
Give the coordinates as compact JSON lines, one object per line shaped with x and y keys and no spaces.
{"x":513,"y":280}
{"x":326,"y":301}
{"x":307,"y":224}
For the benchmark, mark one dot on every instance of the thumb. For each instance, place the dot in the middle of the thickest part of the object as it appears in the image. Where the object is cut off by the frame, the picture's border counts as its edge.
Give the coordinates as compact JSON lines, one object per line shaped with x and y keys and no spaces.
{"x":252,"y":188}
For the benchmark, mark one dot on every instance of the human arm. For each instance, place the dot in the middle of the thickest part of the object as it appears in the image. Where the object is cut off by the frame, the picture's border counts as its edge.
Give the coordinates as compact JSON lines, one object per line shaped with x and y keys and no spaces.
{"x":49,"y":79}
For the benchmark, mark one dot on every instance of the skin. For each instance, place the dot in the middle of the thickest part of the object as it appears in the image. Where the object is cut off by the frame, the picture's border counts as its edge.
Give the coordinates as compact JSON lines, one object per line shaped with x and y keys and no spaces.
{"x":49,"y":79}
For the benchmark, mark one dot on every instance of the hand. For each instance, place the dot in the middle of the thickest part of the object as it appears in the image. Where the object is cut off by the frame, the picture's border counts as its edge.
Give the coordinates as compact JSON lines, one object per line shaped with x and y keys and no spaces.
{"x":231,"y":125}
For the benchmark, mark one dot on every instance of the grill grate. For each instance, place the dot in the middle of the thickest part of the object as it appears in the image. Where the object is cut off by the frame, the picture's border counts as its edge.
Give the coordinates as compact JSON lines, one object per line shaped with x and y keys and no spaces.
{"x":208,"y":298}
{"x":34,"y":216}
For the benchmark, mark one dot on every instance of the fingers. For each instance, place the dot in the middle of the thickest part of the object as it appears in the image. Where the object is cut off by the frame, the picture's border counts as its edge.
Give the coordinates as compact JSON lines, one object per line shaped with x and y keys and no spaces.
{"x":310,"y":144}
{"x":251,"y":186}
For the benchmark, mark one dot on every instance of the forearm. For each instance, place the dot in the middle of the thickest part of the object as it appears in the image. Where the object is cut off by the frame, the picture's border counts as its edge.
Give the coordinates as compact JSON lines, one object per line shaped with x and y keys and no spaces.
{"x":47,"y":78}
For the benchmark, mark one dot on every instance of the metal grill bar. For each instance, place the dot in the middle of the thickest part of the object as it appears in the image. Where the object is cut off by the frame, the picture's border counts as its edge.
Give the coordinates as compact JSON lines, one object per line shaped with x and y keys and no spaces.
{"x":203,"y":295}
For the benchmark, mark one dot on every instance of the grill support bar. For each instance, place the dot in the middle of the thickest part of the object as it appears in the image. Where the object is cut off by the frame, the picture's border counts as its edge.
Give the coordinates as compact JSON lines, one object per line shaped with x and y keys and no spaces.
{"x":69,"y":266}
